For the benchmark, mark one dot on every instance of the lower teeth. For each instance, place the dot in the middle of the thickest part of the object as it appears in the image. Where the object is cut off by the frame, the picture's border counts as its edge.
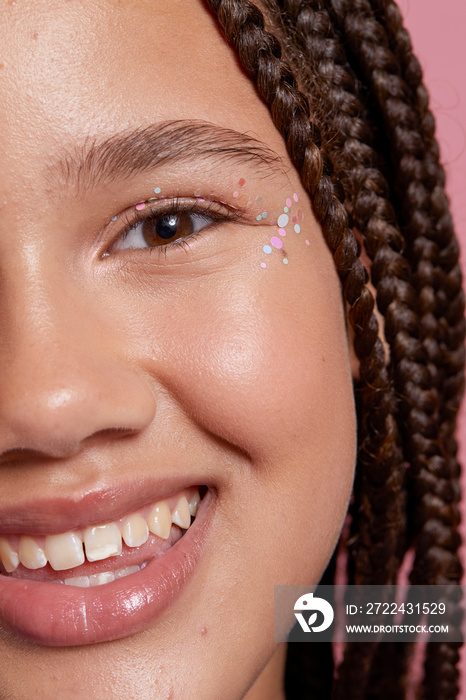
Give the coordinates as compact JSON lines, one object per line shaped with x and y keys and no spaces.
{"x":101,"y":579}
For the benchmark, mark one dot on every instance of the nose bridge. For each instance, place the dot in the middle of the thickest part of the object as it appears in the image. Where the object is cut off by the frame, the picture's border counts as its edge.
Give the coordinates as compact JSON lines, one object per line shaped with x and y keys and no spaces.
{"x":61,"y":381}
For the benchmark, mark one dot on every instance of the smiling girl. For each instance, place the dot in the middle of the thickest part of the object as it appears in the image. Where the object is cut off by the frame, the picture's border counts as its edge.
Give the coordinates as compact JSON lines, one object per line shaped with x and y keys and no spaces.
{"x":185,"y":326}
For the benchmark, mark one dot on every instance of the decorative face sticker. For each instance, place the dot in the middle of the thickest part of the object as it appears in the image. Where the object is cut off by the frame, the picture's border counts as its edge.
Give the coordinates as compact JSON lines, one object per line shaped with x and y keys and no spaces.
{"x":288,"y":221}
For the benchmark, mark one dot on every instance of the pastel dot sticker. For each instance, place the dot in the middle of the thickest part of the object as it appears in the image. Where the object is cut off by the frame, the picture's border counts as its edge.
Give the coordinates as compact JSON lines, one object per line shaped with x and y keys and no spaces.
{"x":258,"y":200}
{"x":235,"y":194}
{"x":286,"y":210}
{"x":267,"y":249}
{"x":272,"y":222}
{"x":282,"y":220}
{"x":241,"y":182}
{"x":264,"y":215}
{"x":259,"y":218}
{"x":140,"y":205}
{"x":263,"y":265}
{"x":288,"y":202}
{"x":282,"y":232}
{"x":114,"y":218}
{"x":157,"y":190}
{"x":297,"y":228}
{"x":294,"y":219}
{"x":295,"y":197}
{"x":285,"y":261}
{"x":276,"y":242}
{"x":307,"y":242}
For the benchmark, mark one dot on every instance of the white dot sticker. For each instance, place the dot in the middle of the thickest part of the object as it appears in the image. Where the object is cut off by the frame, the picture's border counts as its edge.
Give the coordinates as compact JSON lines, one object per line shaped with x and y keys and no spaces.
{"x":282,"y":220}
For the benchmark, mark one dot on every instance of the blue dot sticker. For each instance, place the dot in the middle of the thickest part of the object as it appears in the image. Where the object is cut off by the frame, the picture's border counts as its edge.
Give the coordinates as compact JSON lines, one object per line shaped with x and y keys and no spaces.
{"x":264,"y":215}
{"x":297,"y":228}
{"x":114,"y":218}
{"x":267,"y":249}
{"x":157,"y":190}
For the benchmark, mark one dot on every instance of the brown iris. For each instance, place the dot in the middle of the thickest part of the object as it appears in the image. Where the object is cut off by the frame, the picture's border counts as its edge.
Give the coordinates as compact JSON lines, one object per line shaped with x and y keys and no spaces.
{"x":159,"y":231}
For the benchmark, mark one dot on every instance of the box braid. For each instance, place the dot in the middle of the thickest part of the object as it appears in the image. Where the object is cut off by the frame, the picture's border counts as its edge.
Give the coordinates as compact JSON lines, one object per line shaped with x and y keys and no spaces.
{"x":417,"y":366}
{"x":434,"y":368}
{"x":449,"y":310}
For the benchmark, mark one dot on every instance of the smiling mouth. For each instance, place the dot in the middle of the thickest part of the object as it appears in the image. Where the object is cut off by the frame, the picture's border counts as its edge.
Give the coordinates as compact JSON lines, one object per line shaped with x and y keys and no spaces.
{"x":99,"y":554}
{"x":119,"y":588}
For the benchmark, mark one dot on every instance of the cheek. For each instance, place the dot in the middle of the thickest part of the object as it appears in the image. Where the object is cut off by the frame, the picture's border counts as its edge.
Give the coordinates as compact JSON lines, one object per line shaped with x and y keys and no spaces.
{"x":265,"y":367}
{"x":267,"y":370}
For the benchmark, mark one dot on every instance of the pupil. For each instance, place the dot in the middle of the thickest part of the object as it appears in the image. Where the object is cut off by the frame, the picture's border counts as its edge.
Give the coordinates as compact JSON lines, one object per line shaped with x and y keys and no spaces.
{"x":167,"y":227}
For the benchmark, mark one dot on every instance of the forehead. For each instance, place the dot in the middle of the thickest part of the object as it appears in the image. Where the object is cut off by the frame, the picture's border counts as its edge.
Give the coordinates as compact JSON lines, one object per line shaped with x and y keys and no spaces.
{"x":72,"y":70}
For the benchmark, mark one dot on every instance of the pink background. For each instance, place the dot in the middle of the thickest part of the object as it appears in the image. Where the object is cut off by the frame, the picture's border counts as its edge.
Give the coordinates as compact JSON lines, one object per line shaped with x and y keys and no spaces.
{"x":437,"y":30}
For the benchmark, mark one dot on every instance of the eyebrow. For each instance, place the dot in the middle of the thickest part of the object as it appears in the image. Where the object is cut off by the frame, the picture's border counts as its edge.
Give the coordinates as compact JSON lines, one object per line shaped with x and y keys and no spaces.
{"x":140,"y":150}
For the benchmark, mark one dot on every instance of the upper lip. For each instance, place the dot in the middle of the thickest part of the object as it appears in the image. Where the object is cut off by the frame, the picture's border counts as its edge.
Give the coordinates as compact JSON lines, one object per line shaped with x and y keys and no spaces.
{"x":50,"y":516}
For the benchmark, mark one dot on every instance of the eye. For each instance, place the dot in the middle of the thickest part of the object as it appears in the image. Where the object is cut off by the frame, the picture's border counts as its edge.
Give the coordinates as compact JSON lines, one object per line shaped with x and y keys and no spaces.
{"x":162,"y":229}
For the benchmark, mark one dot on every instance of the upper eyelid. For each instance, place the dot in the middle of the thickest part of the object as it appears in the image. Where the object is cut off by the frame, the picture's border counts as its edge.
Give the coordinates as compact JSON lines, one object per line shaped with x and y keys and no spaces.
{"x":213,"y":208}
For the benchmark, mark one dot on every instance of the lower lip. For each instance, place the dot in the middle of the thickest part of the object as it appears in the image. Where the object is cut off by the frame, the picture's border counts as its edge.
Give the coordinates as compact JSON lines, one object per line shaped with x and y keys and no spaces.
{"x":54,"y":615}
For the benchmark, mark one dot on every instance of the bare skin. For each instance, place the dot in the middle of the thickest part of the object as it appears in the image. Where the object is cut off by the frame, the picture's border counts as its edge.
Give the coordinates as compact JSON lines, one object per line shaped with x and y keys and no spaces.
{"x":197,"y":360}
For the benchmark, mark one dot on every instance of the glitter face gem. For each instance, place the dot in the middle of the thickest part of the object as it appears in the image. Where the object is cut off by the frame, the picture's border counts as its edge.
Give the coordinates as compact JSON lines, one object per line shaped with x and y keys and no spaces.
{"x":286,"y":223}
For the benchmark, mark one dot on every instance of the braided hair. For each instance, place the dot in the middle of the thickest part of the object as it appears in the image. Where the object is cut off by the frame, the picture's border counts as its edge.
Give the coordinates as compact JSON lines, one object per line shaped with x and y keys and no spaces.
{"x":345,"y":91}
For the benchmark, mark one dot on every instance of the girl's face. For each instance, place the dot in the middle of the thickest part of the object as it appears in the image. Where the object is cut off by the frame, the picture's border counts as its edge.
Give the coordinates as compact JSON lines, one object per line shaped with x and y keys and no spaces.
{"x":170,"y":319}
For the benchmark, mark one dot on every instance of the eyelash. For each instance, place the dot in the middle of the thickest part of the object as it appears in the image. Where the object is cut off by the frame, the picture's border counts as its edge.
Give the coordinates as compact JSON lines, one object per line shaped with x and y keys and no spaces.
{"x":178,"y":206}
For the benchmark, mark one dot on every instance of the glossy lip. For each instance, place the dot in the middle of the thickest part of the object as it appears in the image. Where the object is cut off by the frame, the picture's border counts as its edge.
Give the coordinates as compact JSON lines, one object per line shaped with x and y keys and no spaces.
{"x":56,"y":615}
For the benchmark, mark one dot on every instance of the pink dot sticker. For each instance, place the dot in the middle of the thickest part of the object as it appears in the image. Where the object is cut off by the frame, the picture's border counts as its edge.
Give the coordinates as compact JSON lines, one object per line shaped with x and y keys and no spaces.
{"x":276,"y":242}
{"x":295,"y":197}
{"x":235,"y":194}
{"x":263,"y":265}
{"x":307,"y":242}
{"x":294,"y":219}
{"x":282,"y":232}
{"x":140,"y":205}
{"x":288,"y":202}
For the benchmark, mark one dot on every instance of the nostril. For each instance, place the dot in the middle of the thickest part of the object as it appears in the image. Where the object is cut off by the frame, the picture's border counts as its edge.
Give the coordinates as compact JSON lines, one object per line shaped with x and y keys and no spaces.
{"x":111,"y":434}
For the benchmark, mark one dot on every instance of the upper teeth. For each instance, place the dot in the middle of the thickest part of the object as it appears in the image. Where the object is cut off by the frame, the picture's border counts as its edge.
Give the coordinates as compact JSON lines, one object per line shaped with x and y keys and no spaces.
{"x":70,"y":549}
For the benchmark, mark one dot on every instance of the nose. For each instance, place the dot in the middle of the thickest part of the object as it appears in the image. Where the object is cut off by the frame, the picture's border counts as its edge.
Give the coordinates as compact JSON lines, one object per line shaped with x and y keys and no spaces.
{"x":63,"y":379}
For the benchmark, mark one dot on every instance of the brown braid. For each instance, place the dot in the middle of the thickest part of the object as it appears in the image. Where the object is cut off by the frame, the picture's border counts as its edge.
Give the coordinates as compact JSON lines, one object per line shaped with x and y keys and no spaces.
{"x":448,"y":293}
{"x":426,"y":348}
{"x":430,"y":446}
